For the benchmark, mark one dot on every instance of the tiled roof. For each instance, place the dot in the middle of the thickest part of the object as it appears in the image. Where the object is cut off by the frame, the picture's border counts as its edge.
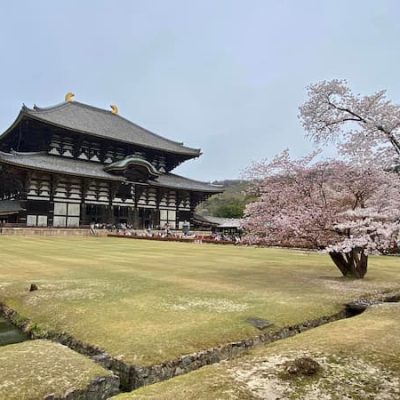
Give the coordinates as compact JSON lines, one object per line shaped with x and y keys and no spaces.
{"x":95,"y":121}
{"x":8,"y":207}
{"x":179,"y":182}
{"x":44,"y":162}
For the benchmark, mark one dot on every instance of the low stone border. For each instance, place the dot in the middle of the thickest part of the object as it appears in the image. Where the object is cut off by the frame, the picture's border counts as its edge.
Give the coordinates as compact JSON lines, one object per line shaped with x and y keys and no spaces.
{"x":49,"y":231}
{"x":133,"y":376}
{"x":100,"y":388}
{"x":97,"y":354}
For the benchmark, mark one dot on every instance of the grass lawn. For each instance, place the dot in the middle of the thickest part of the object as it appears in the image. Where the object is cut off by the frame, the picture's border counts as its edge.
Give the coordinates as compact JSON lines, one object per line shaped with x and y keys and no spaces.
{"x":359,"y":359}
{"x":147,"y":301}
{"x":33,"y":369}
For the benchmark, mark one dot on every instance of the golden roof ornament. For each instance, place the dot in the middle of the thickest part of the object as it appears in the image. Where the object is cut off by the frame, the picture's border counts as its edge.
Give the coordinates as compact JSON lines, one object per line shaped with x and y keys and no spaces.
{"x":114,"y":109}
{"x":69,"y":97}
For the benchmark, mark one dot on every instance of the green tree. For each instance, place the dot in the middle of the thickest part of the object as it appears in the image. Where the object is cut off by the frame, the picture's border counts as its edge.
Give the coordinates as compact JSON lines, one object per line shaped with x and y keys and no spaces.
{"x":234,"y":209}
{"x":230,"y":203}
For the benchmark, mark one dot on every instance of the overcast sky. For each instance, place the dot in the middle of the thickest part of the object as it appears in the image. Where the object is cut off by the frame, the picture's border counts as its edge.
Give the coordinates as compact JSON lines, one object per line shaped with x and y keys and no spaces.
{"x":225,"y":76}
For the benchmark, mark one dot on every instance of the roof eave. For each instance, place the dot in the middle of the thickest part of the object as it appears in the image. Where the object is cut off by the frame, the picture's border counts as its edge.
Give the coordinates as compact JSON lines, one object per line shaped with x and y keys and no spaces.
{"x":20,"y":116}
{"x":205,"y":189}
{"x":191,"y":153}
{"x":36,"y":168}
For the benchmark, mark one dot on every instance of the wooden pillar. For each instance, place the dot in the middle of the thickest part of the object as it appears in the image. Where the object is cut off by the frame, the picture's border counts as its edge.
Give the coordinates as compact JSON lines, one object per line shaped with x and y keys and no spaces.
{"x":177,"y":200}
{"x":136,"y":219}
{"x":108,"y":214}
{"x":138,"y":223}
{"x":84,"y":188}
{"x":112,"y":191}
{"x":194,"y":200}
{"x":27,"y":182}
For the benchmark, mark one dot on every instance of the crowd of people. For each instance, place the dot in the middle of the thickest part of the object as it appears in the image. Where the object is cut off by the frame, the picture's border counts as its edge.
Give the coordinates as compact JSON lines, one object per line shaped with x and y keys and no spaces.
{"x":166,"y":232}
{"x":226,"y":237}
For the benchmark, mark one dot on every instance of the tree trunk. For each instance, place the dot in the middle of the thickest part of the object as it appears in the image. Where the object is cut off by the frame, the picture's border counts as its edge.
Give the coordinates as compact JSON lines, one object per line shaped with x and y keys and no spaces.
{"x":351,"y":265}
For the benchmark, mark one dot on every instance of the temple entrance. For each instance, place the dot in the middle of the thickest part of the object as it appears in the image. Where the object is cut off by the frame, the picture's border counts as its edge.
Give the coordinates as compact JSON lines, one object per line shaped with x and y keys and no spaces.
{"x":168,"y":217}
{"x":38,"y":214}
{"x":96,"y":214}
{"x":121,"y":215}
{"x":148,"y":218}
{"x":66,"y":215}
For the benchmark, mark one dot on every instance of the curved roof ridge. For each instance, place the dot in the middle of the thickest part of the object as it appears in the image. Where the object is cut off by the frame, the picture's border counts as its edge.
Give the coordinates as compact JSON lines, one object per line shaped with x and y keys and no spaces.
{"x":36,"y":108}
{"x":127,"y":161}
{"x":15,"y":122}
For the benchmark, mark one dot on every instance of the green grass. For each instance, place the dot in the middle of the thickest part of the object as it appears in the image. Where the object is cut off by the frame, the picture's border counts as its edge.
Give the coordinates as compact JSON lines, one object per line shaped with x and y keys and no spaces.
{"x":359,"y":358}
{"x":34,"y":369}
{"x":146,"y":302}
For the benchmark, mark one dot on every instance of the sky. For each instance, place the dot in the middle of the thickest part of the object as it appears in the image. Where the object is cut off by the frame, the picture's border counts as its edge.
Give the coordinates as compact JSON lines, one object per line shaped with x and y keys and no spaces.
{"x":224,"y":76}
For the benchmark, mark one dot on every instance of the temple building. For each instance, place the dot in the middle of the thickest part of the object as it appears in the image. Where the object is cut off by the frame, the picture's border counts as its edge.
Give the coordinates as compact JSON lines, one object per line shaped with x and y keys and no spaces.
{"x":73,"y":164}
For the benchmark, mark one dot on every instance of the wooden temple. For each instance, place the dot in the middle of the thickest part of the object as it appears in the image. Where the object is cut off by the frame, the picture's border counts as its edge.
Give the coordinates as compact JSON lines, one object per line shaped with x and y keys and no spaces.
{"x":73,"y":164}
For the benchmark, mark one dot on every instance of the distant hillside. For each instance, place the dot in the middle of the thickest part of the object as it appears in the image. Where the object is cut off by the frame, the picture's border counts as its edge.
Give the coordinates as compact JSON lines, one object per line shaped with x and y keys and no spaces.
{"x":229,"y":204}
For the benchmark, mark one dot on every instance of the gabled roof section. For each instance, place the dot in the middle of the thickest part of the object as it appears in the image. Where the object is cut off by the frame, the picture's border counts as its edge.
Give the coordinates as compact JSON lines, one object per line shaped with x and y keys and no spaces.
{"x":83,"y":118}
{"x":173,"y":181}
{"x":122,"y":165}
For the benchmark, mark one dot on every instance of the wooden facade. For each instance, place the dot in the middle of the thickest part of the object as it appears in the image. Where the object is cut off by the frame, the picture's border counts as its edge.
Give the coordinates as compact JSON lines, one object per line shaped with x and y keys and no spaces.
{"x":73,"y":165}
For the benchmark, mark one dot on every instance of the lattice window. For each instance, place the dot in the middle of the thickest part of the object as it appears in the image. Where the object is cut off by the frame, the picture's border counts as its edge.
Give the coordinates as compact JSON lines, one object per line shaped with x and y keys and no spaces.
{"x":66,"y":214}
{"x":167,"y":217}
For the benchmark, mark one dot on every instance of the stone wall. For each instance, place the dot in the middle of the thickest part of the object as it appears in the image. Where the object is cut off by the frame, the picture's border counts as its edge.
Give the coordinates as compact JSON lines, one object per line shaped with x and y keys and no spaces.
{"x":37,"y":231}
{"x":28,"y":231}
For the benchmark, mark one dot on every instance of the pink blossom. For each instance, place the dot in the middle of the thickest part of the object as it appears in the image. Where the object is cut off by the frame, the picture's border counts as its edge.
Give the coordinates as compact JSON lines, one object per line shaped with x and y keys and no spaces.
{"x":328,"y":204}
{"x":364,"y":127}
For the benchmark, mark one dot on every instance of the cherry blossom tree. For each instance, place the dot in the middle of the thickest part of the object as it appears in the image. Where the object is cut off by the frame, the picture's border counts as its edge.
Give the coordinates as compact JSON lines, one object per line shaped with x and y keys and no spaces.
{"x":366,"y":127}
{"x":349,"y":210}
